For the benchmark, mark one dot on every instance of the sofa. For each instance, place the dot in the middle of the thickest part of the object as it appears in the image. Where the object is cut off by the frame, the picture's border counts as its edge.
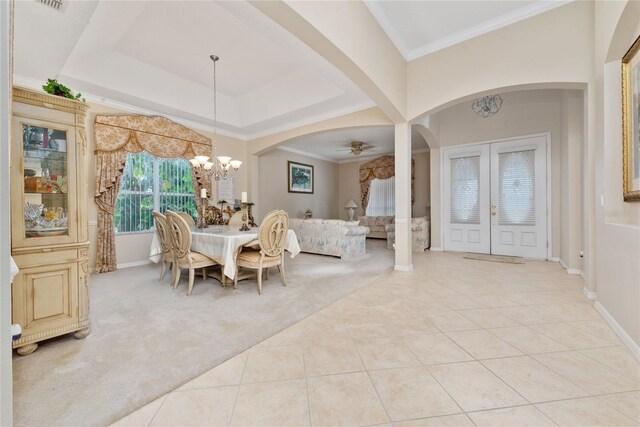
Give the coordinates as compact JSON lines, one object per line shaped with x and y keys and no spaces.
{"x":333,"y":237}
{"x":420,"y":234}
{"x":376,"y":225}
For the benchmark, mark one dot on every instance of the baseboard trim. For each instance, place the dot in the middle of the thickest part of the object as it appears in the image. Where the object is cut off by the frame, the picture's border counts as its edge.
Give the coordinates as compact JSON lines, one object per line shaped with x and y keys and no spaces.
{"x":398,"y":267}
{"x":554,"y":259}
{"x":626,"y":339}
{"x":590,"y":295}
{"x":573,"y":271}
{"x":133,"y":264}
{"x":435,"y":249}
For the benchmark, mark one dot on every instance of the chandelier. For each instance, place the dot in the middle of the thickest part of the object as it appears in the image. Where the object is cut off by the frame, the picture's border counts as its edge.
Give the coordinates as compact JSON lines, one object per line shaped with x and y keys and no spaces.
{"x":487,"y":105}
{"x":220,"y":167}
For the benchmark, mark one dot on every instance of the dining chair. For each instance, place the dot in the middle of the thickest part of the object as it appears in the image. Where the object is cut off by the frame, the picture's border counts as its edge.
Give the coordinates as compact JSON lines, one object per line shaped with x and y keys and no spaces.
{"x":166,"y":256}
{"x":183,"y":255}
{"x":272,"y":236}
{"x":236,"y":219}
{"x":188,"y":218}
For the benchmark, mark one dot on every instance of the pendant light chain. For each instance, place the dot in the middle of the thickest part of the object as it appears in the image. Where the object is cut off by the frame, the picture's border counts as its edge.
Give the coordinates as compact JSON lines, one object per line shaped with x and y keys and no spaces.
{"x":218,"y":167}
{"x":215,"y":101}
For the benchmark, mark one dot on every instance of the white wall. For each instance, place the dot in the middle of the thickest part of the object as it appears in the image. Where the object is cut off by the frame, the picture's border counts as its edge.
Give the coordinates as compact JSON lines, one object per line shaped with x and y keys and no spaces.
{"x":617,"y":222}
{"x":273,"y":186}
{"x":6,"y":377}
{"x":133,"y":249}
{"x":523,"y":113}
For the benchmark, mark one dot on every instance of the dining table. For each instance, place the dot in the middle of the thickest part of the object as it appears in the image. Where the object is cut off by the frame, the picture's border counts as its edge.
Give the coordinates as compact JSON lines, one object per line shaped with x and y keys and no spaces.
{"x":222,"y":244}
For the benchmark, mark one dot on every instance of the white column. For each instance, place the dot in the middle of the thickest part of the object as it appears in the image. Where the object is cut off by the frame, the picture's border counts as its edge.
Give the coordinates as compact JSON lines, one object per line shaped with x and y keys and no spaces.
{"x":403,"y":196}
{"x":6,"y":414}
{"x":253,"y":172}
{"x":436,"y":199}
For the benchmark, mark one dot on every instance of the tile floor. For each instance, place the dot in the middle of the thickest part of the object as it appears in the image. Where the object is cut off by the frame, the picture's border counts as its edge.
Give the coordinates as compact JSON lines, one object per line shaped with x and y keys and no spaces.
{"x":456,"y":342}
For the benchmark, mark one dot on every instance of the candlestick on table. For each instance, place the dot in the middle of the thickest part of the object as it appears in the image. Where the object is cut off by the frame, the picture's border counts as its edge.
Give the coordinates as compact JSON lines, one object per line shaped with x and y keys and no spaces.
{"x":203,"y":219}
{"x":244,"y":227}
{"x":244,"y":197}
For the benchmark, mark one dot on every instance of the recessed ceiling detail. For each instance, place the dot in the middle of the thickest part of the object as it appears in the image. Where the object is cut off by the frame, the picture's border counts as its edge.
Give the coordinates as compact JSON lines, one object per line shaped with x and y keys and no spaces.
{"x":338,"y":145}
{"x":154,"y":56}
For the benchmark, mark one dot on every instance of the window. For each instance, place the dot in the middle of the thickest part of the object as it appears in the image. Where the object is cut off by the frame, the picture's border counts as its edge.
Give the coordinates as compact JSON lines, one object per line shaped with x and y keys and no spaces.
{"x":149,"y":184}
{"x":382,"y":197}
{"x":465,"y":188}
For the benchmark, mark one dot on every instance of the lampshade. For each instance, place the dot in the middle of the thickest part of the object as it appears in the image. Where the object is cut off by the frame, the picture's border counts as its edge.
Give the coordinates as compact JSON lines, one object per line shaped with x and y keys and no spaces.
{"x":351,"y":204}
{"x":224,"y":160}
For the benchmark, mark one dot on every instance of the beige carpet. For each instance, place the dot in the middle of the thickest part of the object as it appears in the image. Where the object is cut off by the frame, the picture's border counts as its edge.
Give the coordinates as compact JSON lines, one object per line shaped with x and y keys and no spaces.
{"x":147,"y":339}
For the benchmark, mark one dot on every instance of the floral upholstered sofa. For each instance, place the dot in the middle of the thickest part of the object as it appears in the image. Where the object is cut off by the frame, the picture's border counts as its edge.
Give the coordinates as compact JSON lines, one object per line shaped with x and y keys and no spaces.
{"x":330,"y":237}
{"x":376,"y":225}
{"x":420,"y":234}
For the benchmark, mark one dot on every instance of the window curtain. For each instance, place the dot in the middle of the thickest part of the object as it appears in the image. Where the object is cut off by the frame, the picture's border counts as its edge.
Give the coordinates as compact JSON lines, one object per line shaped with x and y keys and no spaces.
{"x":381,"y":168}
{"x":382,"y":197}
{"x":115,"y":137}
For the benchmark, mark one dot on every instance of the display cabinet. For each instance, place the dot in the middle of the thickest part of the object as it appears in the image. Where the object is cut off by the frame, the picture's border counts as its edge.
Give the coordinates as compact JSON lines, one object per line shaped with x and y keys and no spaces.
{"x":49,"y":235}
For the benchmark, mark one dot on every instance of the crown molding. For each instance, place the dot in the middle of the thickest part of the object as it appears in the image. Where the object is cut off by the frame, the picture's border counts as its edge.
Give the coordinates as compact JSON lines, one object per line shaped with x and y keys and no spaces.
{"x":314,"y":119}
{"x":486,"y":27}
{"x":30,"y":83}
{"x":367,"y":158}
{"x":466,"y":34}
{"x":306,"y":154}
{"x":388,"y":28}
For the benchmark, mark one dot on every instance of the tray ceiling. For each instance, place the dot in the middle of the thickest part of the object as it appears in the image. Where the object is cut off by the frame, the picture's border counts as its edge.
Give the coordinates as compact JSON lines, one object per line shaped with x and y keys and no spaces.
{"x":154,"y":55}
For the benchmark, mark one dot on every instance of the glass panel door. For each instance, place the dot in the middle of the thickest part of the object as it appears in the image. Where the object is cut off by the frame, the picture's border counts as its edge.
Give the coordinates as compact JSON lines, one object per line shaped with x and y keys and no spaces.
{"x":45,"y":181}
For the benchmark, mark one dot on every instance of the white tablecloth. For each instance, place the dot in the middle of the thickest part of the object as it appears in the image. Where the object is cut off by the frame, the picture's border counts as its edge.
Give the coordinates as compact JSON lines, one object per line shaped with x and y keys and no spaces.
{"x":221,"y":243}
{"x":13,"y":268}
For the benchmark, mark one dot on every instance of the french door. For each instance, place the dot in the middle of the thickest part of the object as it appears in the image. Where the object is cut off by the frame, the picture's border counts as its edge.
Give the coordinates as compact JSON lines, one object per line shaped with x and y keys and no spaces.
{"x":495,"y":198}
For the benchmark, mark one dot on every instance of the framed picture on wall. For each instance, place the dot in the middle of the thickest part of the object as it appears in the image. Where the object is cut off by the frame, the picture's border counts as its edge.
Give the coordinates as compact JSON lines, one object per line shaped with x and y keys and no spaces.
{"x":300,"y":178}
{"x":631,"y":122}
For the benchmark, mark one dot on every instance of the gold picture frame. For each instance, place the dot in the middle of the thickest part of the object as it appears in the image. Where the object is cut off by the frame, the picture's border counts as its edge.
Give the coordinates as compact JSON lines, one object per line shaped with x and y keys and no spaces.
{"x":631,"y":123}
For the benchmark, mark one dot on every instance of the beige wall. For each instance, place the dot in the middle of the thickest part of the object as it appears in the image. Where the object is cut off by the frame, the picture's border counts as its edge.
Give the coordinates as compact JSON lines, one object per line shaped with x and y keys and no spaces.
{"x":571,"y":159}
{"x":524,"y":113}
{"x":134,"y":248}
{"x":554,"y":47}
{"x":273,"y":173}
{"x":349,"y":187}
{"x":256,"y":147}
{"x":617,"y":223}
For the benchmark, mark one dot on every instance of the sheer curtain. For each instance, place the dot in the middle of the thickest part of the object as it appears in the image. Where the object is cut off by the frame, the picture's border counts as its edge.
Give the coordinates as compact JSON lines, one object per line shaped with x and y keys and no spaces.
{"x":382,"y":197}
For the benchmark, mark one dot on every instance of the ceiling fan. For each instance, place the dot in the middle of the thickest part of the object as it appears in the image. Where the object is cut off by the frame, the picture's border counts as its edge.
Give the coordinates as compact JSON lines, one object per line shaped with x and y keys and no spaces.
{"x":357,"y":147}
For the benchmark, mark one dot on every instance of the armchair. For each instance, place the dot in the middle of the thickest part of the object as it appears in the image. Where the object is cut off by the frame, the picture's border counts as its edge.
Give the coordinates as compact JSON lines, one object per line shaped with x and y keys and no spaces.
{"x":420,"y":234}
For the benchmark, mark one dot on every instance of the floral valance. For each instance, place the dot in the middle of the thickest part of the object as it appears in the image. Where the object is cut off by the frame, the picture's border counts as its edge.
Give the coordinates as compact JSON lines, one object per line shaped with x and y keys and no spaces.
{"x":382,"y":168}
{"x":115,"y":137}
{"x":156,"y":135}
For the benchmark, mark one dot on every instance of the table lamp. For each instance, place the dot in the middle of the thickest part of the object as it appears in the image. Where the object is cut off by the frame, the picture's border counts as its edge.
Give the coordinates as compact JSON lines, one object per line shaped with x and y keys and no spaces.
{"x":350,"y":206}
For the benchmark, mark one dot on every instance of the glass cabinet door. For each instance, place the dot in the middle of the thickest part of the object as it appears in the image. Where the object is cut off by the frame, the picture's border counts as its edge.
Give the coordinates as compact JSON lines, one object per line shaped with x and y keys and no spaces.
{"x":45,"y":169}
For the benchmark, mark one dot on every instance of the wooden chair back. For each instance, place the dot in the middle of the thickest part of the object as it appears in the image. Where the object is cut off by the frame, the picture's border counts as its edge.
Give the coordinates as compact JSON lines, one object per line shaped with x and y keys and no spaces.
{"x":180,"y":234}
{"x":162,"y":230}
{"x":272,"y":233}
{"x":188,"y":219}
{"x":236,"y":219}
